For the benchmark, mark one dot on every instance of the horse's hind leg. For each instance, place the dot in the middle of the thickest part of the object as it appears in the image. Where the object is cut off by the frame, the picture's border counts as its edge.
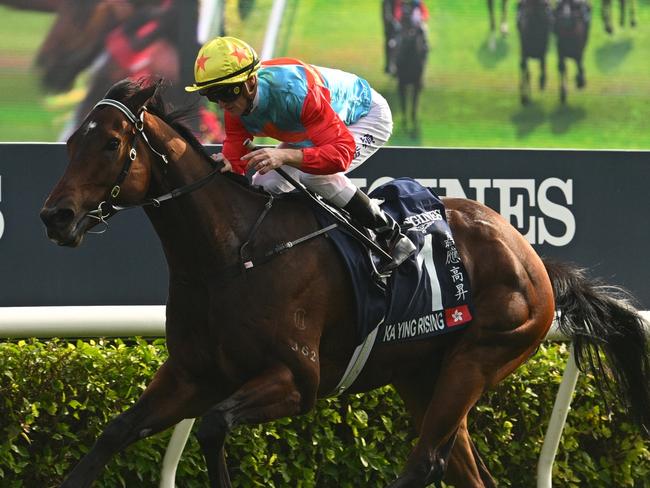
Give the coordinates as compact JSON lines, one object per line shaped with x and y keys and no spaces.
{"x":452,"y":399}
{"x":542,"y":73}
{"x":466,"y":468}
{"x":167,"y":400}
{"x":269,"y":396}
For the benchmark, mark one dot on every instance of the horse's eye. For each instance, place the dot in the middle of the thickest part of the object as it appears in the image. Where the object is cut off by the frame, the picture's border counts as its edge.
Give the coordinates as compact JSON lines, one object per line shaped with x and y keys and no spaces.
{"x":113,"y":144}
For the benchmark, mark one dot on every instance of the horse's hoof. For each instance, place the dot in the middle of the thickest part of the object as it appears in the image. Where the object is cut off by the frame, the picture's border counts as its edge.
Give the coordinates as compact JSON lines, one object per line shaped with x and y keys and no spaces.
{"x":563,"y":98}
{"x":542,"y":83}
{"x":581,"y":82}
{"x":525,"y":100}
{"x":504,"y":29}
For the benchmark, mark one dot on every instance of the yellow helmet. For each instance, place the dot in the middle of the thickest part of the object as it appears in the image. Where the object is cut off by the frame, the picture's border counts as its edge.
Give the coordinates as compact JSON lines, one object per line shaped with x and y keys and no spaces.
{"x":224,"y":61}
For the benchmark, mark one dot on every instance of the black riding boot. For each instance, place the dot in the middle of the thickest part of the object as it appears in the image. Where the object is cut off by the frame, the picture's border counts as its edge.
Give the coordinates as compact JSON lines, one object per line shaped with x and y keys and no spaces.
{"x":389,"y":235}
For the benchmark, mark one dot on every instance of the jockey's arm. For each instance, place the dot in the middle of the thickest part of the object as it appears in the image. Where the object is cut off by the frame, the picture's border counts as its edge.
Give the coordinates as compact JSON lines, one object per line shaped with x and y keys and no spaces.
{"x":333,"y":148}
{"x":233,"y":144}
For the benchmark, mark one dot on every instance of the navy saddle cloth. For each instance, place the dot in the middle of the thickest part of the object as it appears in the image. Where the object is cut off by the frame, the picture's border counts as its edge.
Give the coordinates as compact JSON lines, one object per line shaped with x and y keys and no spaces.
{"x":429,"y":294}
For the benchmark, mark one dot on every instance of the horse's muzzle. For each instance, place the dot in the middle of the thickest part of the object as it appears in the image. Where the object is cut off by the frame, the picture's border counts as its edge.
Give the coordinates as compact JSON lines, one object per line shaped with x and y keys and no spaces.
{"x":62,"y":224}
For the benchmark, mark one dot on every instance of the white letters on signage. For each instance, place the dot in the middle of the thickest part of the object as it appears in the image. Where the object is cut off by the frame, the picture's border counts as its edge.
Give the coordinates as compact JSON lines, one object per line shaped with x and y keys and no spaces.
{"x":555,"y":211}
{"x":512,"y":206}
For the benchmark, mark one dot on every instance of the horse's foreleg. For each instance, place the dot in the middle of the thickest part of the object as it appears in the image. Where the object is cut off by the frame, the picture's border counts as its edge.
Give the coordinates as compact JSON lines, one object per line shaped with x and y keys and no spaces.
{"x":401,"y":88}
{"x":504,"y":17}
{"x":271,"y":395}
{"x":606,"y":12}
{"x":542,"y":73}
{"x":581,"y":80}
{"x":212,"y":437}
{"x":632,"y":13}
{"x":563,"y":76}
{"x":167,"y":400}
{"x":493,"y":24}
{"x":621,"y":4}
{"x":417,"y":88}
{"x":524,"y":81}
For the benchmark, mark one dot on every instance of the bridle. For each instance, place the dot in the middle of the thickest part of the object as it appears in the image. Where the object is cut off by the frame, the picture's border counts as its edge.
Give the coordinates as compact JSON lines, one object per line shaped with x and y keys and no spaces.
{"x":107,"y":208}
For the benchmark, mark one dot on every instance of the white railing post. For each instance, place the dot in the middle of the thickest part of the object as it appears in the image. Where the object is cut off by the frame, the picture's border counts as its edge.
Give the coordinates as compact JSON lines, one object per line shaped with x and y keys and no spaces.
{"x":173,"y":453}
{"x":556,"y":423}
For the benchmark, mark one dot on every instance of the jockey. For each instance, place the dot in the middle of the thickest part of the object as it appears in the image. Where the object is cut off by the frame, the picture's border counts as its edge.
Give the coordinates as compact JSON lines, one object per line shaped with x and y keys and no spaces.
{"x":416,"y":8}
{"x":328,"y":122}
{"x":411,"y":13}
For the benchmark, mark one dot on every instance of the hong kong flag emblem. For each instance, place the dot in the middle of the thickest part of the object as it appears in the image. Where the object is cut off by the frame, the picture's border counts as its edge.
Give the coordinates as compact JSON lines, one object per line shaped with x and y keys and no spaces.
{"x":457,"y":315}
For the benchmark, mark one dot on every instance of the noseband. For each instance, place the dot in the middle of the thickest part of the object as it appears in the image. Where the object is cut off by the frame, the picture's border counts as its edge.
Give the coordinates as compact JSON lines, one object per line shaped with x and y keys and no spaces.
{"x":101,"y":213}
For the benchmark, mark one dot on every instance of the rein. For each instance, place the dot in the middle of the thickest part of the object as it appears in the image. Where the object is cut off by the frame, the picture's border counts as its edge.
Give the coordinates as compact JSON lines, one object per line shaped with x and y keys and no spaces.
{"x":102,"y":214}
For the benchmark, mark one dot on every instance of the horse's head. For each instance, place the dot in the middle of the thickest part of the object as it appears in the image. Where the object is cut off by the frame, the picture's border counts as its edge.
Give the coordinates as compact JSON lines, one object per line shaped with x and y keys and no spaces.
{"x":76,"y":39}
{"x":108,"y":156}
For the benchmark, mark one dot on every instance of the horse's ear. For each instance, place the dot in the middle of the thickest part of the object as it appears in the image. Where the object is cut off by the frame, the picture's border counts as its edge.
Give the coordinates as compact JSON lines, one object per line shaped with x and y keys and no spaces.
{"x":141,"y":97}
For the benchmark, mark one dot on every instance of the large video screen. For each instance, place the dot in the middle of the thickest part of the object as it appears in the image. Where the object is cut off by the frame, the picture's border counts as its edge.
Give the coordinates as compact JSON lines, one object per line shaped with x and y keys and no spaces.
{"x":58,"y":56}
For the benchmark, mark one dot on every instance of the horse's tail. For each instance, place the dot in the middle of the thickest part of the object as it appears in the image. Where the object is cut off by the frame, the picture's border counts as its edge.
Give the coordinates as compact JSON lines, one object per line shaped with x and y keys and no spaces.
{"x":597,"y":318}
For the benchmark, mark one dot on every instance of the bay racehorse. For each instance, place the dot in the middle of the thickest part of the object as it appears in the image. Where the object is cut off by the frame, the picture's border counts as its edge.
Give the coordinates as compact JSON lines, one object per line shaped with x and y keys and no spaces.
{"x":626,"y":7}
{"x":535,"y":24}
{"x":572,"y":21}
{"x":253,"y":344}
{"x":412,"y":50}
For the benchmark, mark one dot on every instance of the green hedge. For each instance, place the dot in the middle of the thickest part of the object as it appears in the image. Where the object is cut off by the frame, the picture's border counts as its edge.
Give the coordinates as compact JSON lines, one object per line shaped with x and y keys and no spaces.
{"x":55,"y":397}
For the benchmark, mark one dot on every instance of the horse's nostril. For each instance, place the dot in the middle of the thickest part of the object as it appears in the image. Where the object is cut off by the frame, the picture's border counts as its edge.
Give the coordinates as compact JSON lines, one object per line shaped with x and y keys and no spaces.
{"x":57,"y":217}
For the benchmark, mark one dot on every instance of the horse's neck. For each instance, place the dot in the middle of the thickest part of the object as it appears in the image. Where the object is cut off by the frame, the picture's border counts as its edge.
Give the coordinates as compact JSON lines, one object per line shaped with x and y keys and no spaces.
{"x":204,"y":229}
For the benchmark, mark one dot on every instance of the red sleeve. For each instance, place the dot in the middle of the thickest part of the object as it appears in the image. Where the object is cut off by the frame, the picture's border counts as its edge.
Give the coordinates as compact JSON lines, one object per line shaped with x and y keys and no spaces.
{"x":397,"y":10}
{"x":233,"y":144}
{"x":334,"y":145}
{"x":425,"y":11}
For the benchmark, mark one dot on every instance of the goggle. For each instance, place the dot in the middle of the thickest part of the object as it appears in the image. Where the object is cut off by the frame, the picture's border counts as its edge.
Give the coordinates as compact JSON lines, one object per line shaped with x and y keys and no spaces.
{"x":222,"y":93}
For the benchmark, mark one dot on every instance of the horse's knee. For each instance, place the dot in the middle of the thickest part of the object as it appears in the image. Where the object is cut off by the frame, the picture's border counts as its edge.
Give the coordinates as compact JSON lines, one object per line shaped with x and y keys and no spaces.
{"x":213,"y":429}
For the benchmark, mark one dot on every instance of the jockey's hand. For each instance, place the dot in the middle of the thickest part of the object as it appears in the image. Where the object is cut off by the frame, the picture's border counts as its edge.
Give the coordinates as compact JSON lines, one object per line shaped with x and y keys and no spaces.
{"x":264,"y":160}
{"x":219,"y":158}
{"x":269,"y":158}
